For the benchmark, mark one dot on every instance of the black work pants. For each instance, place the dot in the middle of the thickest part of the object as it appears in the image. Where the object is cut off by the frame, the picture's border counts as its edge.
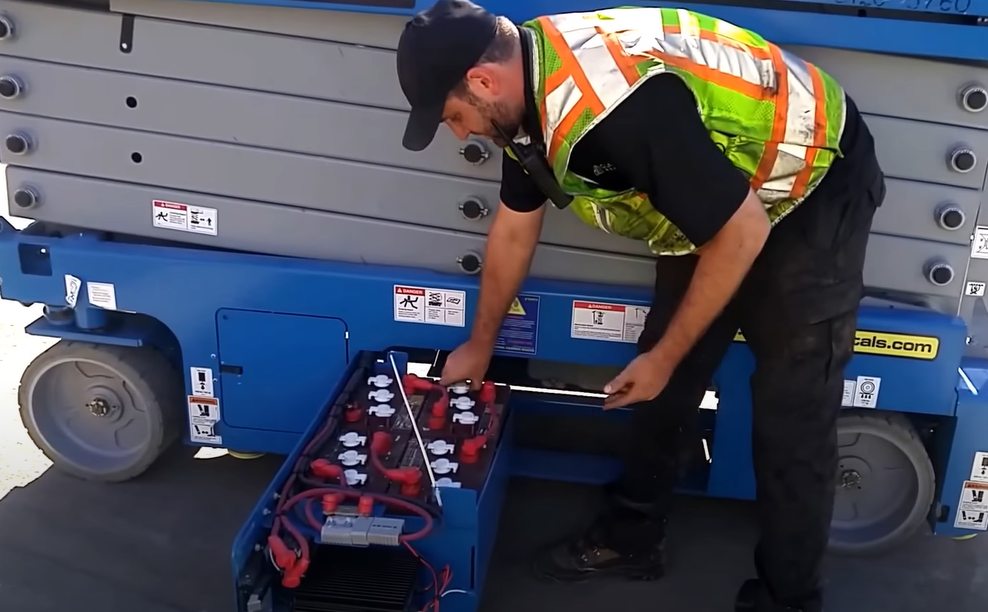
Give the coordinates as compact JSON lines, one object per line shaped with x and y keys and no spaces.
{"x":797,"y":308}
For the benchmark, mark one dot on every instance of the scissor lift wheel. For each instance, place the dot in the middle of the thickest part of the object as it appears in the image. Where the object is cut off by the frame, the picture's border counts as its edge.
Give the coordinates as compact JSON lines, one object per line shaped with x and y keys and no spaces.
{"x":101,"y":412}
{"x":885,"y":483}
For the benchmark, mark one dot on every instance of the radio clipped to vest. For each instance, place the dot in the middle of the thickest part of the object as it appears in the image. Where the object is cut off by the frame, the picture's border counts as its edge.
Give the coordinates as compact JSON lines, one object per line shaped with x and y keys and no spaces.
{"x":533,"y":159}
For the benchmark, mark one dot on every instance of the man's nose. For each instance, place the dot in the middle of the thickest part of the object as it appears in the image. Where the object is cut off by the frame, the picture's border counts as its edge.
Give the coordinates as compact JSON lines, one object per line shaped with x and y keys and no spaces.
{"x":458,"y":131}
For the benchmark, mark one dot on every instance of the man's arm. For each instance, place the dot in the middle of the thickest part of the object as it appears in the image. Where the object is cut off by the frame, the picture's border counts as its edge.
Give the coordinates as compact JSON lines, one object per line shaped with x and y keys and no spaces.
{"x":511,"y":243}
{"x":723,"y":264}
{"x":673,"y":159}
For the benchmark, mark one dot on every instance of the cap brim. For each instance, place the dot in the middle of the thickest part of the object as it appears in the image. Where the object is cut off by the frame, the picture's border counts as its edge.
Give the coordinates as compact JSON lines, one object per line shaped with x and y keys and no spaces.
{"x":423,"y":123}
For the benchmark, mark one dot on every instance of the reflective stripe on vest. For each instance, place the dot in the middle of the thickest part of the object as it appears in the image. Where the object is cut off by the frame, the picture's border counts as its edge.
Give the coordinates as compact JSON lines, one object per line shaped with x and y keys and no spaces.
{"x":776,"y":117}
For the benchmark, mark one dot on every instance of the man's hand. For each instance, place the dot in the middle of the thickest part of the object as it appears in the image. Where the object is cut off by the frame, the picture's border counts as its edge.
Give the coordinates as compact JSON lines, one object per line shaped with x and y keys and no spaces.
{"x":642,"y":380}
{"x":723,"y":264}
{"x":468,"y":362}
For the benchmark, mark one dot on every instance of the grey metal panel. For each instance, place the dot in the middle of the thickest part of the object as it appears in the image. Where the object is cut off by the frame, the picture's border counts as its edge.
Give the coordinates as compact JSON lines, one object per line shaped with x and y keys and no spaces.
{"x":230,"y":115}
{"x":290,"y":179}
{"x":901,"y":265}
{"x":911,"y":209}
{"x":340,"y":26}
{"x":974,"y":309}
{"x":921,"y":151}
{"x":236,"y":58}
{"x":899,"y":86}
{"x":266,"y":228}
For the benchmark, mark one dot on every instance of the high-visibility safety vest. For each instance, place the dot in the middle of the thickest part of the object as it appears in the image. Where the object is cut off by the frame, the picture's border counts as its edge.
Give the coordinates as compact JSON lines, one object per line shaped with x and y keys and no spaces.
{"x":778,"y":118}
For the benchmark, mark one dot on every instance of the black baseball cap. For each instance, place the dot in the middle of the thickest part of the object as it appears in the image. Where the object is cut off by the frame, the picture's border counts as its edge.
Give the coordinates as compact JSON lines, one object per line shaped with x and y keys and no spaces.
{"x":437,"y":48}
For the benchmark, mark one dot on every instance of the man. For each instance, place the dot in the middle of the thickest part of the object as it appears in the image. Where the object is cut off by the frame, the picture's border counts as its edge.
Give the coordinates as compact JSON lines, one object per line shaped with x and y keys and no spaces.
{"x":753,"y":178}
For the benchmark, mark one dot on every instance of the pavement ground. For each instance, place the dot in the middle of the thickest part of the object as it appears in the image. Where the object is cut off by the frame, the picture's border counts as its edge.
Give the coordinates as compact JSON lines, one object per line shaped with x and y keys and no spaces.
{"x":161,"y":542}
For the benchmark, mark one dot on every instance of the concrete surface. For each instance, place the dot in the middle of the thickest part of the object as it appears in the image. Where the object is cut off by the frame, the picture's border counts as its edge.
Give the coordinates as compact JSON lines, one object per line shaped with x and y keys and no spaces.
{"x":161,"y":543}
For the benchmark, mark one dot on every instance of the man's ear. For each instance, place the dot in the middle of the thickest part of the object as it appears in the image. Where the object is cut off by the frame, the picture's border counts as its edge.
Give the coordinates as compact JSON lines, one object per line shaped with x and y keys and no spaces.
{"x":482,"y":80}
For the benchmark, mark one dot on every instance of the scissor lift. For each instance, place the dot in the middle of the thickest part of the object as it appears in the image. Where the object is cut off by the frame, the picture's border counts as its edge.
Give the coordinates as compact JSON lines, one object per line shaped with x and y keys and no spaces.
{"x":226,"y":226}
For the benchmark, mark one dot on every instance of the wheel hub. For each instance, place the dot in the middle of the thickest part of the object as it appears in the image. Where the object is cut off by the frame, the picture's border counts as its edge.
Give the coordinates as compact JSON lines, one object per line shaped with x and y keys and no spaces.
{"x":98,"y":407}
{"x":105,"y":403}
{"x":850,"y":479}
{"x":852,"y":472}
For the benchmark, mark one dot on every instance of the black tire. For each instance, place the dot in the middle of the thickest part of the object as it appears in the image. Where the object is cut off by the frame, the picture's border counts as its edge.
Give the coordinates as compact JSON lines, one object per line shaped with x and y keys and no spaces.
{"x":140,"y":386}
{"x":881,"y":437}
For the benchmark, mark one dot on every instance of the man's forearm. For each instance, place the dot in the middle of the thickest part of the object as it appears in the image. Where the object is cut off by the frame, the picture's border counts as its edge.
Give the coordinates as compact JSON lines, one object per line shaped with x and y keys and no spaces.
{"x":506,"y":262}
{"x":499,"y":283}
{"x":721,"y":268}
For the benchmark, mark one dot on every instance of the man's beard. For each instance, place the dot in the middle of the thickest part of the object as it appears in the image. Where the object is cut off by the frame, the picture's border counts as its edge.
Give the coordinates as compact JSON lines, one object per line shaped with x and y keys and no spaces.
{"x":499,"y":113}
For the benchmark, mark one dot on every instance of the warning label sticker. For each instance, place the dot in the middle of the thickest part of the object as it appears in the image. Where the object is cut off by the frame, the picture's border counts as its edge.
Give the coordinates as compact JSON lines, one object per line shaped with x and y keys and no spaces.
{"x":972,"y":509}
{"x":72,"y":286}
{"x":610,"y":322}
{"x":866,"y":391}
{"x":183,"y":217}
{"x":202,"y":381}
{"x":204,"y":414}
{"x":520,"y":330}
{"x":102,"y":295}
{"x":433,"y":306}
{"x":979,"y":246}
{"x":979,"y":471}
{"x":848,"y":398}
{"x":975,"y":288}
{"x":861,"y":392}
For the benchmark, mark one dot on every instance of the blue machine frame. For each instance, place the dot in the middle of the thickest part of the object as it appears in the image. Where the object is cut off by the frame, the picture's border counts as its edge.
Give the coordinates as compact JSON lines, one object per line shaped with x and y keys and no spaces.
{"x":241,"y":322}
{"x":246,"y":324}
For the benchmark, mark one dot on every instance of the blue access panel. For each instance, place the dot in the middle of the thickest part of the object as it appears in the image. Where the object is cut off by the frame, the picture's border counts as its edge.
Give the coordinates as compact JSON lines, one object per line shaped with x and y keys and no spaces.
{"x":275,"y":367}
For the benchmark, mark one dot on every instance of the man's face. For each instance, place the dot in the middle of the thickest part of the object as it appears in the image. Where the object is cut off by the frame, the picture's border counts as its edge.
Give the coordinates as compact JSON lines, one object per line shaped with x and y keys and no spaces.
{"x":471,"y":112}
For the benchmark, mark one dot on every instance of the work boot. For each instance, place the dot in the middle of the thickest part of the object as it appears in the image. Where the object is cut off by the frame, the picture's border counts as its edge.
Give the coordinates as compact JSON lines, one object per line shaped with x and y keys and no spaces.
{"x":752,"y":597}
{"x":619,"y":543}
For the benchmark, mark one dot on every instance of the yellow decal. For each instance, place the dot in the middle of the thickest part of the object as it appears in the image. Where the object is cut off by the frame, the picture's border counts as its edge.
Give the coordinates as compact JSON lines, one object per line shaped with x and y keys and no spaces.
{"x":516,"y":308}
{"x":891,"y":345}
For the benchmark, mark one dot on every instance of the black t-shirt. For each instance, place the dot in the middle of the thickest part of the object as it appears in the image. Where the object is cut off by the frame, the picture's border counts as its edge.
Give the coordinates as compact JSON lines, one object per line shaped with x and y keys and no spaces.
{"x":672,"y":159}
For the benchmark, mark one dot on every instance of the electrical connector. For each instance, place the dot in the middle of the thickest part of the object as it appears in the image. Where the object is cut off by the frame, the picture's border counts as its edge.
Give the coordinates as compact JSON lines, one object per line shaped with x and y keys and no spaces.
{"x":380,"y":443}
{"x":410,"y":478}
{"x":470,"y":449}
{"x":439,"y":409}
{"x":412,"y":383}
{"x":353,"y":414}
{"x":440,"y":406}
{"x":322,"y":468}
{"x":361,"y":531}
{"x":331,"y":502}
{"x":284,"y":557}
{"x":292,"y":578}
{"x":488,"y":392}
{"x":385,"y":531}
